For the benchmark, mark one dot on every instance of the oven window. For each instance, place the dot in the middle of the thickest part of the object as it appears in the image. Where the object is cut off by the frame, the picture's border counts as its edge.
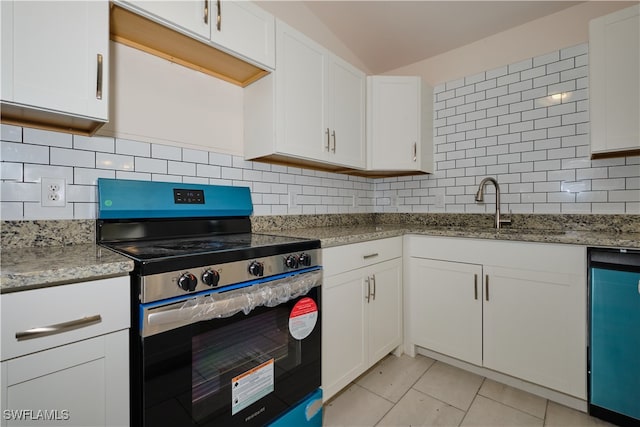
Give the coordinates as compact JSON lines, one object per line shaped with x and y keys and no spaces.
{"x":241,"y":358}
{"x":242,"y":370}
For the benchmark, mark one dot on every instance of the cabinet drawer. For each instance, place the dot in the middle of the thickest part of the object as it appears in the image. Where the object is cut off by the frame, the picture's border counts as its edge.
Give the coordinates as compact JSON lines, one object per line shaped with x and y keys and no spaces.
{"x":339,"y":259}
{"x":62,"y":306}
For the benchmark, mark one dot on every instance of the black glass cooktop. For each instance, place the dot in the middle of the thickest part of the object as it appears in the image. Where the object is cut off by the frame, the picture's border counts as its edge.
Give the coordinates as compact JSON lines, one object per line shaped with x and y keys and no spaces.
{"x":172,"y":253}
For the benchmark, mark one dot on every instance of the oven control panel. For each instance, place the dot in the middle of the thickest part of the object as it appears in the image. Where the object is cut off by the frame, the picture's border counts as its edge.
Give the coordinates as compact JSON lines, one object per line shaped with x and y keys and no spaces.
{"x":156,"y":287}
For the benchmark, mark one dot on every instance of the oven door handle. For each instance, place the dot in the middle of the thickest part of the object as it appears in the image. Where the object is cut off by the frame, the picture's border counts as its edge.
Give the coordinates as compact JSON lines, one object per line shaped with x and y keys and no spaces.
{"x":222,"y":305}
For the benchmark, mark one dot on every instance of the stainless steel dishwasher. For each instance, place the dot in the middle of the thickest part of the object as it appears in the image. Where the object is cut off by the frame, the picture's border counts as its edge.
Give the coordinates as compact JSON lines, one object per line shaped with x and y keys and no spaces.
{"x":614,"y":335}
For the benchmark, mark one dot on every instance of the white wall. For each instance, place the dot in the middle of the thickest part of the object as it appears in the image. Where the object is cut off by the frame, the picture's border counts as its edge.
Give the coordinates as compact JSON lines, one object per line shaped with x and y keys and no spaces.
{"x":566,"y":28}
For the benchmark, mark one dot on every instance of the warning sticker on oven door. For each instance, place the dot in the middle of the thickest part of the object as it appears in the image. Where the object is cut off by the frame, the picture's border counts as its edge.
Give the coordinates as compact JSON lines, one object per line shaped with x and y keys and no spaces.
{"x":251,"y":386}
{"x":303,"y":318}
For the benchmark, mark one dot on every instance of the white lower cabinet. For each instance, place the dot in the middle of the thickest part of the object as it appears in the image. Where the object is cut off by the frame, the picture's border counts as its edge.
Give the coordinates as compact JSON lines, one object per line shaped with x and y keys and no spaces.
{"x":78,"y":376}
{"x":362,"y":310}
{"x":515,"y":308}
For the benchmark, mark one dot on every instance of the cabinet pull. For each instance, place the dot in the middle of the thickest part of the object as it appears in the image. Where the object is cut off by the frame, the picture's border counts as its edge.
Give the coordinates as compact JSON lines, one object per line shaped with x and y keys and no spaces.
{"x":99,"y":77}
{"x":486,"y":287}
{"x":373,"y":280}
{"x":206,"y":11}
{"x":58,"y":328}
{"x":219,"y":17}
{"x":370,"y":256}
{"x":475,"y":286}
{"x":415,"y":151}
{"x":333,"y":134}
{"x":368,"y":297}
{"x":328,"y":140}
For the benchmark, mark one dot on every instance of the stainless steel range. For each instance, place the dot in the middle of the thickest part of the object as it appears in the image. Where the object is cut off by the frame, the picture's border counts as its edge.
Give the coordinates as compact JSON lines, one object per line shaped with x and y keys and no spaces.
{"x":226,"y":322}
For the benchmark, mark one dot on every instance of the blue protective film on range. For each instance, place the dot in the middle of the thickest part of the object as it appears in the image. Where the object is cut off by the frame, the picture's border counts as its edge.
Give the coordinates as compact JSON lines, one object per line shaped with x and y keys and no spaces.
{"x":129,"y":199}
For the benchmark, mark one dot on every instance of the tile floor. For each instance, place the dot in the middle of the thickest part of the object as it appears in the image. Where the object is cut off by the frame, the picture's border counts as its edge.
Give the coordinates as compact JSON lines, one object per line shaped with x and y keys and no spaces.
{"x":405,"y":391}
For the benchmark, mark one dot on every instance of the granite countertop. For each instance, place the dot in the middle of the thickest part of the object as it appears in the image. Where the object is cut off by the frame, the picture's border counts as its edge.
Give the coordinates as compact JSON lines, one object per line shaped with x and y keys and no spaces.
{"x":47,"y":253}
{"x":335,"y":236}
{"x":26,"y":268}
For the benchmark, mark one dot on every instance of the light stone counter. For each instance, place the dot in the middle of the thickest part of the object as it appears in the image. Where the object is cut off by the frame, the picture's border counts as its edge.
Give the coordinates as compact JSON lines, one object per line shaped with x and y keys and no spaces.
{"x":335,"y":236}
{"x":35,"y":267}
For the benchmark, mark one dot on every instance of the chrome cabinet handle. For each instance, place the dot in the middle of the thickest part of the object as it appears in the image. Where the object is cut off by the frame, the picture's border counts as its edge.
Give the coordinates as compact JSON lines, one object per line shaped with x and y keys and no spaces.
{"x":486,"y":287}
{"x":328,"y":140}
{"x":373,"y":280}
{"x":219,"y":17}
{"x":368,"y":297}
{"x":475,"y":286}
{"x":370,"y":256}
{"x":206,"y":11}
{"x":333,"y":134}
{"x":58,"y":328}
{"x":415,"y":151}
{"x":99,"y":77}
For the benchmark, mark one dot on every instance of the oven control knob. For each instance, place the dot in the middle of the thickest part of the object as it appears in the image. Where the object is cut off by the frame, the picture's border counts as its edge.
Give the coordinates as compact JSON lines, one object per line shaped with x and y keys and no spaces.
{"x":188,"y":282}
{"x":211,"y":278}
{"x":305,"y":260}
{"x":256,"y":269}
{"x":291,"y":261}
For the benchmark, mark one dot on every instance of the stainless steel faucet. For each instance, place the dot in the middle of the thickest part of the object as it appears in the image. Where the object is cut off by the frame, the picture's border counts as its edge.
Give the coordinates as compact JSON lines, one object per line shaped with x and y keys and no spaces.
{"x":480,"y":198}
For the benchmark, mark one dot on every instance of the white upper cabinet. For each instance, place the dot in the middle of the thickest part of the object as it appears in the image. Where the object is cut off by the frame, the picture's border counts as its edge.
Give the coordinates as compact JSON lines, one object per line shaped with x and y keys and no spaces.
{"x":346,"y":121}
{"x":246,"y":29}
{"x":310,"y":111}
{"x":189,"y":16}
{"x":55,"y":64}
{"x":230,"y":40}
{"x":399,"y":124}
{"x":300,"y":95}
{"x":614,"y":83}
{"x":238,"y":26}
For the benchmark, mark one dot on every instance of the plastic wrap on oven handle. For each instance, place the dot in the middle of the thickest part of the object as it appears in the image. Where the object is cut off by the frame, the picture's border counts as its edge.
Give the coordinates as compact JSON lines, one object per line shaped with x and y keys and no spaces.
{"x":226,"y":304}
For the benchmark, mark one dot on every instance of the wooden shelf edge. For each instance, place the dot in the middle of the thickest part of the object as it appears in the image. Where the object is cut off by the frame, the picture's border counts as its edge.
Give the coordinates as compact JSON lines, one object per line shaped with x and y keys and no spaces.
{"x":282,"y":160}
{"x":141,"y":33}
{"x":615,"y":154}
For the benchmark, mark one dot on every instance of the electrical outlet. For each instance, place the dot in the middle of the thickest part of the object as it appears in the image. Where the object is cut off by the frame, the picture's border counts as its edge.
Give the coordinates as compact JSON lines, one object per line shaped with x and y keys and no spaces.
{"x":293,"y":199}
{"x":53,"y":192}
{"x":354,"y":201}
{"x":440,"y":201}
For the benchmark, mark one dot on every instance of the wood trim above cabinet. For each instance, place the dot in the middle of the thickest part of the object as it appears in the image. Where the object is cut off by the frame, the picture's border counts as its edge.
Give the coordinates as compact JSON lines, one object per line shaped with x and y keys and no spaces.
{"x":140,"y":33}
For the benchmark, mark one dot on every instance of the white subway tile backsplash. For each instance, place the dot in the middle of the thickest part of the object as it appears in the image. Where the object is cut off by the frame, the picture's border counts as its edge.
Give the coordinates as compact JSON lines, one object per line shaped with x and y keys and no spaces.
{"x":96,"y":143}
{"x":69,"y":157}
{"x":45,"y":137}
{"x":24,"y":153}
{"x":133,"y":148}
{"x":525,"y":123}
{"x":116,"y":161}
{"x":10,"y":133}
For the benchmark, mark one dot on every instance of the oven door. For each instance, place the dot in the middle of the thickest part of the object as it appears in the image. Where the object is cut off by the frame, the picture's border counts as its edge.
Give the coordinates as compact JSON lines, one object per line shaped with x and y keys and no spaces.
{"x":245,"y":369}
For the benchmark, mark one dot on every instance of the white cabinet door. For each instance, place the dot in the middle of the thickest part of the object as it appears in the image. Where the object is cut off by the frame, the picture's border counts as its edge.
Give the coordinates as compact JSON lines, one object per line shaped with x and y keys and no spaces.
{"x":246,"y":29}
{"x":189,"y":16}
{"x":300,"y":96}
{"x":385,"y":309}
{"x":80,"y":384}
{"x":344,"y":330}
{"x":446,"y":307}
{"x":55,"y":56}
{"x":396,"y":140}
{"x":310,"y":112}
{"x":347,"y":93}
{"x":614,"y":82}
{"x":534,"y":322}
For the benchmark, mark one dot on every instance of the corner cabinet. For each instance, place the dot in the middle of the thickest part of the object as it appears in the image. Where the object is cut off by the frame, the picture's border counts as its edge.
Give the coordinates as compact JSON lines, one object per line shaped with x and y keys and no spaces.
{"x":362,"y":309}
{"x":55,"y":64}
{"x":310,"y":111}
{"x":515,"y":308}
{"x":399,"y":125}
{"x":75,"y":374}
{"x":614,"y":83}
